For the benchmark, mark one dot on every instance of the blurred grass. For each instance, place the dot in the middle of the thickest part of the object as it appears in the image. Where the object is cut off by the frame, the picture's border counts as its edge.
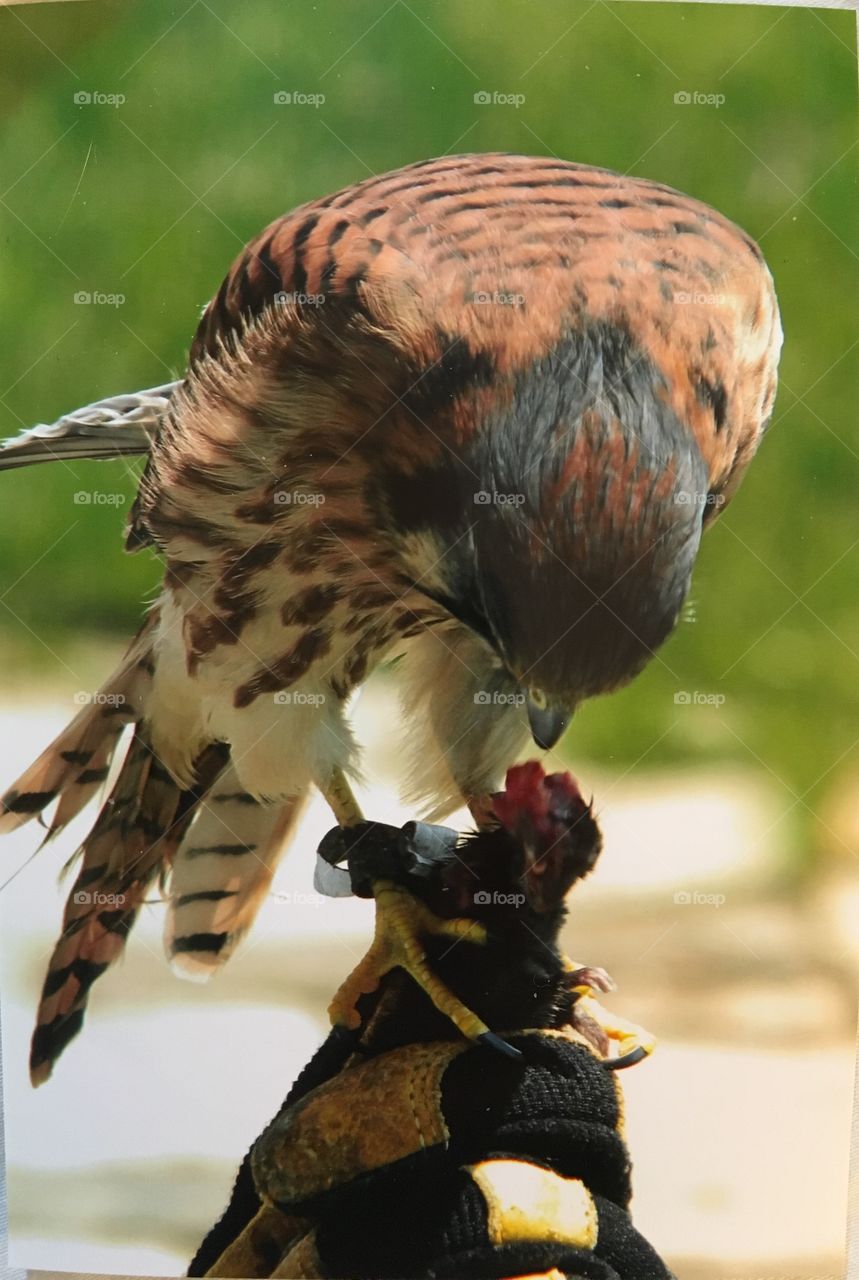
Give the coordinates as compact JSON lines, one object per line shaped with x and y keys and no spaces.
{"x":105,"y":198}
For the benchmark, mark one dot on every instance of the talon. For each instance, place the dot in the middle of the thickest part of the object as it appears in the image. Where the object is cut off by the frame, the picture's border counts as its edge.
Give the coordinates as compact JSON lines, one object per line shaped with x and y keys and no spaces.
{"x":492,"y":1041}
{"x":627,"y":1059}
{"x":633,"y":1042}
{"x":400,"y":921}
{"x":598,"y":1025}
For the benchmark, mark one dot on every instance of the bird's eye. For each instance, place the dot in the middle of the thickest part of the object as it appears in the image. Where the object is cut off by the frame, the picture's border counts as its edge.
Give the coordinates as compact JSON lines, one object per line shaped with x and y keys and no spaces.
{"x":538,"y":699}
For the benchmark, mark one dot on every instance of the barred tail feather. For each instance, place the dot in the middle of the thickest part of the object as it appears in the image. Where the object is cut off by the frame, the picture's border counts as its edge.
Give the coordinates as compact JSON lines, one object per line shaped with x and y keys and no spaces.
{"x":221,"y":875}
{"x":138,"y":829}
{"x":76,"y":763}
{"x":112,"y":428}
{"x":136,"y":833}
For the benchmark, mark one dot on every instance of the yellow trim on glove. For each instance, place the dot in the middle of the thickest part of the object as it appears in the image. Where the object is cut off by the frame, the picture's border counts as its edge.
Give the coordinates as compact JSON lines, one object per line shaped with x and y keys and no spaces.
{"x":527,"y":1202}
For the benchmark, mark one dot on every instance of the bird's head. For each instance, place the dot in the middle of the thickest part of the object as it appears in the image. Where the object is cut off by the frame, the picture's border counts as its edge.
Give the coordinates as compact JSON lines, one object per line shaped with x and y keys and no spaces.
{"x":555,"y":828}
{"x":575,"y":598}
{"x":584,"y":553}
{"x":565,"y":528}
{"x":566,"y":534}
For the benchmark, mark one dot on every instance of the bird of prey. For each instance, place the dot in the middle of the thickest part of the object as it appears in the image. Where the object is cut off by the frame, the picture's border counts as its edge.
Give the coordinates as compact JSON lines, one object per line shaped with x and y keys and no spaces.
{"x":477,"y":411}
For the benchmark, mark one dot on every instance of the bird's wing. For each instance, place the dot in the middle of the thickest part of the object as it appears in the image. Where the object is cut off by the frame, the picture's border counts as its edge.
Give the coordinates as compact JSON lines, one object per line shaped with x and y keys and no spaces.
{"x":475,"y":267}
{"x":119,"y":426}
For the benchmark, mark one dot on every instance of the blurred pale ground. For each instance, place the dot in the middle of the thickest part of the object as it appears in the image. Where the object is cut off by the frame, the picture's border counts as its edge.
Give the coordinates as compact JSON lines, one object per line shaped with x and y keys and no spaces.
{"x":739,"y":1125}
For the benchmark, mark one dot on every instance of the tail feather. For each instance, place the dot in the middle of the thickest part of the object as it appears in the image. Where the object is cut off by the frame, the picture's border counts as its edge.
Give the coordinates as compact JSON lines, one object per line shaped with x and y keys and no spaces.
{"x":221,"y":875}
{"x":75,"y":765}
{"x":134,"y":838}
{"x":92,"y":777}
{"x":137,"y":832}
{"x":113,"y":428}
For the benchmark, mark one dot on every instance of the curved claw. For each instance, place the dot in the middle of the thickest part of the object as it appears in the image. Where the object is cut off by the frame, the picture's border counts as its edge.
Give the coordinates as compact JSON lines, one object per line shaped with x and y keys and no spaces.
{"x":492,"y":1041}
{"x":634,"y":1044}
{"x":638,"y":1054}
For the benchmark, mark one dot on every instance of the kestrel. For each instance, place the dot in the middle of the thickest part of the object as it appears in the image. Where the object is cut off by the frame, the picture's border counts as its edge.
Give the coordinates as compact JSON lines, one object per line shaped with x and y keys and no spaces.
{"x":476,"y":412}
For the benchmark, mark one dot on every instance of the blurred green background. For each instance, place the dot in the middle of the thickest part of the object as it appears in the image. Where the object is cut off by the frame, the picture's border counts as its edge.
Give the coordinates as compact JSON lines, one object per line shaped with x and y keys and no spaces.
{"x":153,"y":197}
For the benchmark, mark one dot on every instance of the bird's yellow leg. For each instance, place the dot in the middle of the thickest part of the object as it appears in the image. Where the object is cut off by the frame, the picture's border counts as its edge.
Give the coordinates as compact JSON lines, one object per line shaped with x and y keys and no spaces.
{"x":341,"y":800}
{"x":401,"y":922}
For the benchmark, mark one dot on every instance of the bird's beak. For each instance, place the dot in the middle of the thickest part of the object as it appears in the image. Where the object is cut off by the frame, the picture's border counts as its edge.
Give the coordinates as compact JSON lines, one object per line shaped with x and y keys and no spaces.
{"x":547,"y":723}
